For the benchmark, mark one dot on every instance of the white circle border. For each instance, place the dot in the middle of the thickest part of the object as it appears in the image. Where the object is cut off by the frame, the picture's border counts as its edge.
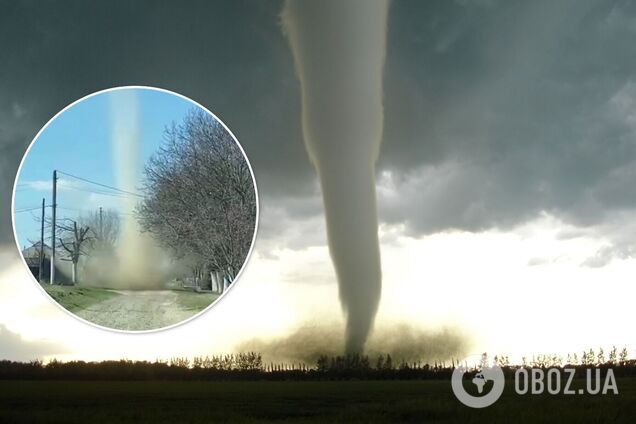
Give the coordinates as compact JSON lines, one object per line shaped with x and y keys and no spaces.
{"x":247,"y":257}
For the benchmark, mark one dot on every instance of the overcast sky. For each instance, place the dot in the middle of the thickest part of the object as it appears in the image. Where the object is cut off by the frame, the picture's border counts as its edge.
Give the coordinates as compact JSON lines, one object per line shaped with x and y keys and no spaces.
{"x":502,"y":119}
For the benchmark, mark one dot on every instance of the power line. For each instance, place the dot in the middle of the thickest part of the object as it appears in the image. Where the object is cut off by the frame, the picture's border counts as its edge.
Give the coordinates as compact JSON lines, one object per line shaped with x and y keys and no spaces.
{"x":69,"y":209}
{"x":101,"y":185}
{"x":27,"y":209}
{"x":100,"y":192}
{"x":94,"y":210}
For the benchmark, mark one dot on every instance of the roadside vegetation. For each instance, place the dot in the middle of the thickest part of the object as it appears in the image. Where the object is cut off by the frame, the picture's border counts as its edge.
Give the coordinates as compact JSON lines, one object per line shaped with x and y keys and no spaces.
{"x":76,"y":298}
{"x":199,"y":199}
{"x":194,"y":301}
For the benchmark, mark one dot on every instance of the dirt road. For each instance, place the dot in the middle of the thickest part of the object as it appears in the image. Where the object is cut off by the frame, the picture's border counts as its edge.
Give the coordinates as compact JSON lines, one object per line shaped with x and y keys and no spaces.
{"x":138,"y":310}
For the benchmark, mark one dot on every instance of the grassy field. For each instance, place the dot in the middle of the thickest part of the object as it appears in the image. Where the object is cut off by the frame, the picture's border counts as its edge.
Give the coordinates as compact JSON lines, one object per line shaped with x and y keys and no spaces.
{"x":75,"y":299}
{"x":295,"y":402}
{"x":193,"y":301}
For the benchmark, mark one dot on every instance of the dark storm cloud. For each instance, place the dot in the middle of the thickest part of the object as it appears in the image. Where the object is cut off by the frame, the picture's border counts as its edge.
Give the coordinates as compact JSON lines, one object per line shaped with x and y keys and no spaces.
{"x":14,"y":347}
{"x":494,"y":111}
{"x":230,"y":56}
{"x":520,"y":113}
{"x":508,"y":110}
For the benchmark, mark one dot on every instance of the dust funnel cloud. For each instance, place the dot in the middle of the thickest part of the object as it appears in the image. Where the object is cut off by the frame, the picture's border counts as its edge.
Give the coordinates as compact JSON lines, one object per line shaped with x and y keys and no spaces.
{"x":140,"y":263}
{"x":339,"y":49}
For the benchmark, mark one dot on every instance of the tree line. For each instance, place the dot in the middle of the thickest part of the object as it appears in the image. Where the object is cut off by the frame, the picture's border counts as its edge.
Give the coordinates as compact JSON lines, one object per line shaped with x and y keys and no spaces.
{"x":250,"y":366}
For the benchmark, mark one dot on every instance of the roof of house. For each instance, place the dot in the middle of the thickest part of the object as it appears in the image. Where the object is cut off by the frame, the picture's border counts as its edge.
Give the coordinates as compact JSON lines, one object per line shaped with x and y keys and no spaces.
{"x":34,"y":251}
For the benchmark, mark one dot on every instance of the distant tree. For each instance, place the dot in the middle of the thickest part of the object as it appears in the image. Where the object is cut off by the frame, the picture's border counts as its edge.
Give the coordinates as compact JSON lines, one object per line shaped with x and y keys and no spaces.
{"x":250,"y":361}
{"x":600,"y":359}
{"x":364,"y":363}
{"x":73,"y":238}
{"x":588,"y":357}
{"x":501,"y":361}
{"x":105,"y":227}
{"x":613,"y":356}
{"x":322,"y":364}
{"x":379,"y":364}
{"x":484,"y":361}
{"x":534,"y":363}
{"x":623,"y":356}
{"x":200,"y":200}
{"x":388,"y":363}
{"x":179,"y":362}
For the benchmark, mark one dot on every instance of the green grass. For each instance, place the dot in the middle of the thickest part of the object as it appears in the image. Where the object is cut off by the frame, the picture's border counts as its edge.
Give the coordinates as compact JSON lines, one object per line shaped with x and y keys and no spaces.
{"x":75,"y":298}
{"x":294,"y":402}
{"x":193,"y":301}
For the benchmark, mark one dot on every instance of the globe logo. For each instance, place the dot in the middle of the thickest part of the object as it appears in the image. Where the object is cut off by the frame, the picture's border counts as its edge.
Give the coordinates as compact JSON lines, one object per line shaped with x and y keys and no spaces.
{"x":485,"y":373}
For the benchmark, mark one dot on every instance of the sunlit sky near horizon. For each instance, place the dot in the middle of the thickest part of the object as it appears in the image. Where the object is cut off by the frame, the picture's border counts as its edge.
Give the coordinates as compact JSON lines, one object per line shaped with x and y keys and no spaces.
{"x":517,"y":293}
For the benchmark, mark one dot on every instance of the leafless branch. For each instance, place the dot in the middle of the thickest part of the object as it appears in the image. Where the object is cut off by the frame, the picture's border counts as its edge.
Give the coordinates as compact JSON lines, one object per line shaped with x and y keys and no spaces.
{"x":200,"y":200}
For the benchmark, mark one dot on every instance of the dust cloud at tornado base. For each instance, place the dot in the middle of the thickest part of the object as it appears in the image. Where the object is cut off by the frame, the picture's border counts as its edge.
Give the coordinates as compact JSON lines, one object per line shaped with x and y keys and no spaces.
{"x":403,"y":341}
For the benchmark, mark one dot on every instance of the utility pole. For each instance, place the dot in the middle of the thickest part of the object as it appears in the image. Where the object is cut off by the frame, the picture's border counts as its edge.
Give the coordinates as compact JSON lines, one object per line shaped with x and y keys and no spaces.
{"x":41,"y":272}
{"x":54,"y":206}
{"x":101,"y":227}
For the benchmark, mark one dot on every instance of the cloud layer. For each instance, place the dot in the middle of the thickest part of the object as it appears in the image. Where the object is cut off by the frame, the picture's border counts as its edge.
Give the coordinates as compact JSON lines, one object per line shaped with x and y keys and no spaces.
{"x":13,"y":347}
{"x":494,"y":111}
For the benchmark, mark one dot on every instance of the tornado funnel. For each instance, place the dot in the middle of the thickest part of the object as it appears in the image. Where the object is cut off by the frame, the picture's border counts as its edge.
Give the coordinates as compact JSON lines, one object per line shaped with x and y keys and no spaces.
{"x":339,"y":49}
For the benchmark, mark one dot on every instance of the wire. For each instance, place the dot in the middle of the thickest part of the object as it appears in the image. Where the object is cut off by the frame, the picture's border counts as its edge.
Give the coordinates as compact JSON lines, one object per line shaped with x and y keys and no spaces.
{"x":94,"y":210}
{"x":100,"y":192}
{"x":73,"y":209}
{"x":27,"y":210}
{"x":100,"y":184}
{"x":29,"y":207}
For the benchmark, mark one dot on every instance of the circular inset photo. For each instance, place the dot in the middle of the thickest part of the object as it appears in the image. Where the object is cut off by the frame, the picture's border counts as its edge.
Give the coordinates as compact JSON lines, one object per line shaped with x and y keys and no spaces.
{"x":135,"y":208}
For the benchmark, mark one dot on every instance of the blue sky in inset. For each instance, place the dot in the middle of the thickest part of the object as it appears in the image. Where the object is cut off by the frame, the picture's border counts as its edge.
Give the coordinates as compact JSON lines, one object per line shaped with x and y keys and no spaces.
{"x":80,"y":142}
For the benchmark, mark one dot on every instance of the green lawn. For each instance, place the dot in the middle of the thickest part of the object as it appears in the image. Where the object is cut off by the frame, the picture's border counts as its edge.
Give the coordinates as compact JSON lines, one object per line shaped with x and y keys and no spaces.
{"x":193,"y":301}
{"x":294,"y":402}
{"x":75,"y":298}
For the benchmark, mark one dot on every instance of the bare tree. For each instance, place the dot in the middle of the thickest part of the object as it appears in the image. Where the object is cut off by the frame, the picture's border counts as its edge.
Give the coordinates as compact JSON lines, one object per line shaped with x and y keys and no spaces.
{"x":200,"y":200}
{"x":73,"y":239}
{"x":105,"y":227}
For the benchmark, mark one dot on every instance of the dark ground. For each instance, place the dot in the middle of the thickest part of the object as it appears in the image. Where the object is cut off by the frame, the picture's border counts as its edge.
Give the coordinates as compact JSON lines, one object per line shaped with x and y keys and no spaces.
{"x":419,"y":401}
